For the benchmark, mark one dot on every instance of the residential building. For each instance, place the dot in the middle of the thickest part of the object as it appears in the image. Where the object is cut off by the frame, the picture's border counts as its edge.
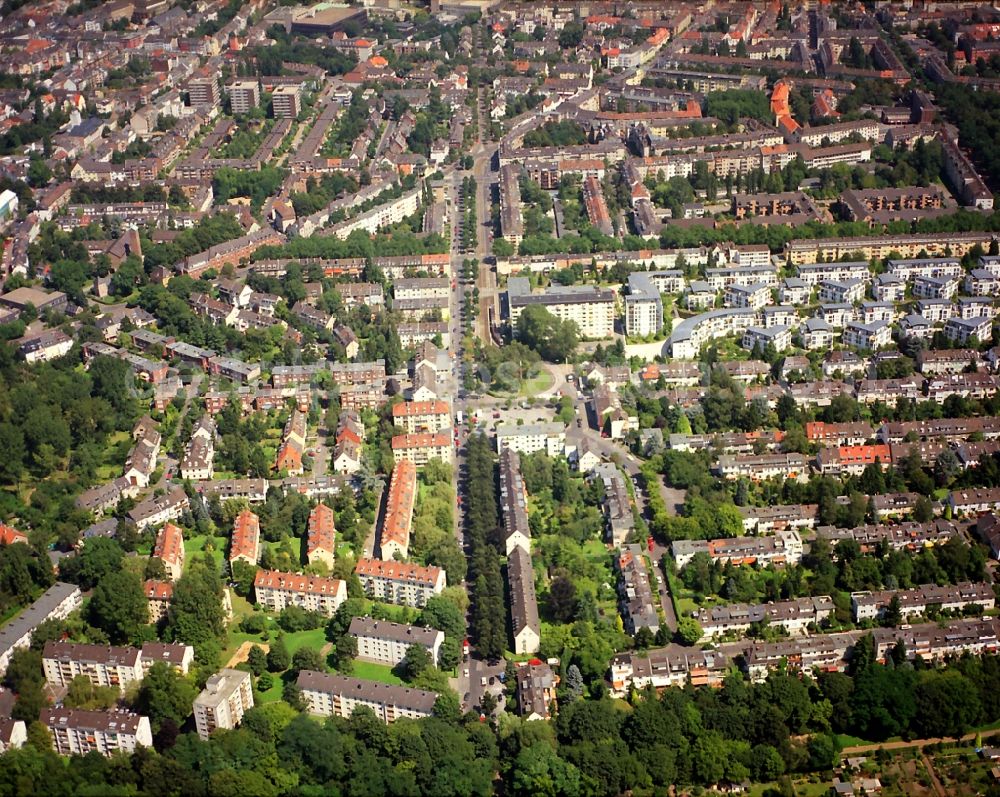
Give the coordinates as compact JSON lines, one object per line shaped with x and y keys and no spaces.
{"x":422,"y":416}
{"x":386,"y":643}
{"x":524,"y":620}
{"x":101,"y":664}
{"x":643,"y":306}
{"x":159,"y":509}
{"x":394,"y":538}
{"x":792,"y":616}
{"x":108,"y":733}
{"x":244,"y":96}
{"x":276,"y":591}
{"x":867,"y":336}
{"x":529,"y":438}
{"x":591,"y":308}
{"x":637,"y":601}
{"x":338,"y":696}
{"x":785,"y":547}
{"x":245,"y":543}
{"x":513,"y":503}
{"x":286,"y":102}
{"x":169,"y":548}
{"x":764,"y":466}
{"x":321,"y":536}
{"x":420,"y":449}
{"x":400,"y":582}
{"x":227,"y":696}
{"x":159,"y":594}
{"x":536,"y":689}
{"x":56,"y":603}
{"x":917,"y":601}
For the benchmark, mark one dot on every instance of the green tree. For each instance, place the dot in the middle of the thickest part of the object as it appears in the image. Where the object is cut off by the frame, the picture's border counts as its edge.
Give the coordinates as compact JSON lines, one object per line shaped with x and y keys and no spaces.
{"x":418,"y":659}
{"x":165,"y":694}
{"x":278,"y":657}
{"x":689,"y":630}
{"x":257,"y":660}
{"x":554,"y":339}
{"x":119,"y":607}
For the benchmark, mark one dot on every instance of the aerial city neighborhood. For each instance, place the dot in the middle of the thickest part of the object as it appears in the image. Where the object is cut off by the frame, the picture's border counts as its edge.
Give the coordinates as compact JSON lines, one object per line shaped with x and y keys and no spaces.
{"x":470,"y":397}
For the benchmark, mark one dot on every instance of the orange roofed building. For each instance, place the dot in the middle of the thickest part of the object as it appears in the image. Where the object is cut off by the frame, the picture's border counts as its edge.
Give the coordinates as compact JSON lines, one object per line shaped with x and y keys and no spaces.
{"x":9,"y":535}
{"x":276,"y":591}
{"x":169,"y":548}
{"x":158,"y":596}
{"x":395,"y":537}
{"x":322,"y":536}
{"x":400,"y":582}
{"x":245,"y":545}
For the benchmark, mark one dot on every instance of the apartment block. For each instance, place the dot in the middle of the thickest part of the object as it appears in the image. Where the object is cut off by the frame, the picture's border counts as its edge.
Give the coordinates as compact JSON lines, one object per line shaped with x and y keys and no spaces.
{"x":591,"y":308}
{"x":529,"y":438}
{"x":419,"y":449}
{"x":513,"y":502}
{"x":286,"y":102}
{"x":637,"y":602}
{"x":169,"y":548}
{"x":321,"y":536}
{"x":394,"y":539}
{"x":384,"y":642}
{"x":56,"y":603}
{"x":245,"y":543}
{"x":227,"y":696}
{"x":79,"y":732}
{"x":400,"y":582}
{"x":103,"y":665}
{"x":917,"y":601}
{"x":785,"y":547}
{"x":244,"y":96}
{"x":793,"y":616}
{"x":276,"y":591}
{"x":422,"y":416}
{"x":338,"y":696}
{"x":524,"y":619}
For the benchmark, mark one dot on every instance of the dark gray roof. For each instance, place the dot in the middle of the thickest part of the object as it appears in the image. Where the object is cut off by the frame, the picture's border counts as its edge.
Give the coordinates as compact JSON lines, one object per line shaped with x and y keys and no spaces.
{"x":371,"y":691}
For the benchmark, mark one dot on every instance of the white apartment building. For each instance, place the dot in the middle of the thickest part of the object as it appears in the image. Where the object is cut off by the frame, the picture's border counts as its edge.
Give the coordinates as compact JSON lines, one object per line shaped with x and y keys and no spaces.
{"x":78,"y":732}
{"x":867,"y":336}
{"x":814,"y":273}
{"x":400,"y":582}
{"x":56,"y":603}
{"x":276,"y":590}
{"x":529,"y":438}
{"x":780,"y":337}
{"x":103,"y":665}
{"x":846,"y":292}
{"x":338,"y":696}
{"x":964,"y":330}
{"x":643,"y":306}
{"x":935,"y":287}
{"x":889,"y":288}
{"x":692,"y":333}
{"x":422,"y":416}
{"x":755,"y":297}
{"x":916,"y":601}
{"x":386,"y":643}
{"x":592,"y":309}
{"x":227,"y":696}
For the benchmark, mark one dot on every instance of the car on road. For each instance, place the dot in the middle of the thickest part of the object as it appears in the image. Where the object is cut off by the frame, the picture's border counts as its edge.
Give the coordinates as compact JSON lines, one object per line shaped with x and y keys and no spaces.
{"x":465,"y":674}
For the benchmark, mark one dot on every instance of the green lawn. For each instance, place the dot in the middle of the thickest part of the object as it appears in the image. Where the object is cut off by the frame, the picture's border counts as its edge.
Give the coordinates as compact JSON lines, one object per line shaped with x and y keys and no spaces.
{"x":375,"y":672}
{"x":537,"y":384}
{"x":195,"y":545}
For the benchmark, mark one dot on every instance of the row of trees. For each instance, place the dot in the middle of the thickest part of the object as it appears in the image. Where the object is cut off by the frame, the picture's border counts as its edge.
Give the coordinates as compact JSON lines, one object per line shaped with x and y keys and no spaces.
{"x":482,"y":529}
